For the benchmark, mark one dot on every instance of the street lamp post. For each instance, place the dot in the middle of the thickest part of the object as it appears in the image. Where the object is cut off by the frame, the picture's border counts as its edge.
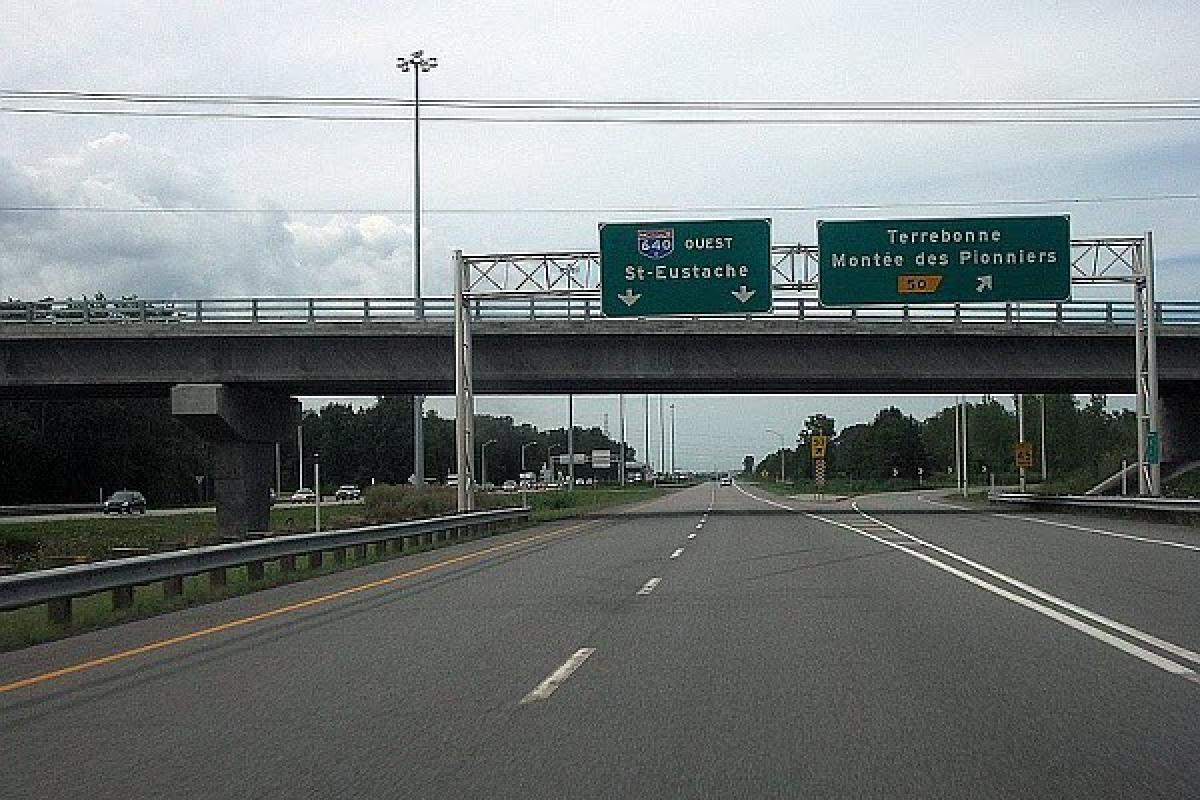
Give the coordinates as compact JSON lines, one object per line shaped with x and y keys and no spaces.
{"x":782,"y":469}
{"x":672,"y":439}
{"x":483,"y":461}
{"x":416,"y":64}
{"x":317,"y":487}
{"x":523,"y":448}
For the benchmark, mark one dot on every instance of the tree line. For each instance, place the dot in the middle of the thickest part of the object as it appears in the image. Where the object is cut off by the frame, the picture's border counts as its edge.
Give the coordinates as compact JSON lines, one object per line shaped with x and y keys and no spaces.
{"x":1085,"y":443}
{"x":73,"y":451}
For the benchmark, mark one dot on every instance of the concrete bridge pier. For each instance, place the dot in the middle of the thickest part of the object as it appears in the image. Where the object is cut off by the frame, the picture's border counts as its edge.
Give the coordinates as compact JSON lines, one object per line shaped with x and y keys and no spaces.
{"x":1179,"y":429}
{"x":242,"y":425}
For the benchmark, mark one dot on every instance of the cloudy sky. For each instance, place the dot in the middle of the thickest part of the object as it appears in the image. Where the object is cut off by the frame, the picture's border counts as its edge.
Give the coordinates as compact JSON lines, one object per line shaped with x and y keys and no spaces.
{"x":548,"y":183}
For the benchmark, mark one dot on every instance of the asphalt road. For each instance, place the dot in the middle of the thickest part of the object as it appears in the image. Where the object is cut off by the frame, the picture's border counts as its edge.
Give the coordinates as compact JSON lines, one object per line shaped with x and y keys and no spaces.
{"x":886,"y":648}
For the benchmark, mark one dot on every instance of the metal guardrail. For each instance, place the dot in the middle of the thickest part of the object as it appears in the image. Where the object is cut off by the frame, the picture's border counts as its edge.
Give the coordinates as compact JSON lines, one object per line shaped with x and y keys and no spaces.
{"x":583,"y":307}
{"x":57,"y":587}
{"x":1155,"y":504}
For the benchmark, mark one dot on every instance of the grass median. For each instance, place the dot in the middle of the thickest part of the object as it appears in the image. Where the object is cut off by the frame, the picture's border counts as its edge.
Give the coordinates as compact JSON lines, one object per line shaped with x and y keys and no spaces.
{"x":54,"y":542}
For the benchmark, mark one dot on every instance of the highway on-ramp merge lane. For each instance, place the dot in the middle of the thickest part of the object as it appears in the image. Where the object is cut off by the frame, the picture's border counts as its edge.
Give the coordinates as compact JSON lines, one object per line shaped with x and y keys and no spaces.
{"x":718,"y":642}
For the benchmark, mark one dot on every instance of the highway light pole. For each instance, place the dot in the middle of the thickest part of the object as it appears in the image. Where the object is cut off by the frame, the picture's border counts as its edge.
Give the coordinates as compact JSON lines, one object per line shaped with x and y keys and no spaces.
{"x":416,"y":64}
{"x":300,"y":455}
{"x":621,"y":414}
{"x":1043,"y":439}
{"x":1021,"y":434}
{"x":672,"y":438}
{"x":523,"y":448}
{"x":646,"y":452}
{"x":483,"y":461}
{"x":571,"y":442}
{"x":662,"y":438}
{"x":317,"y":488}
{"x":782,"y":470}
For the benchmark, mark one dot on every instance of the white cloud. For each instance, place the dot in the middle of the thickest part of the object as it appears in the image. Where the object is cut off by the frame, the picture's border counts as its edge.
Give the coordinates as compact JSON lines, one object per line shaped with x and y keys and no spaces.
{"x":267,"y":252}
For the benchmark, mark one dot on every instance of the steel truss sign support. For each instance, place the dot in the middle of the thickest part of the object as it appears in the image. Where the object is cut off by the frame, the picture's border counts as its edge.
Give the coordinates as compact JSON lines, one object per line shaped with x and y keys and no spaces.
{"x":794,"y":268}
{"x":464,"y":395}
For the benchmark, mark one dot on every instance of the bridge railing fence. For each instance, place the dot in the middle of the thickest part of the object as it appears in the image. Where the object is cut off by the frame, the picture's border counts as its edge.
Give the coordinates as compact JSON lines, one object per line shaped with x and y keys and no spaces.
{"x":582,"y":307}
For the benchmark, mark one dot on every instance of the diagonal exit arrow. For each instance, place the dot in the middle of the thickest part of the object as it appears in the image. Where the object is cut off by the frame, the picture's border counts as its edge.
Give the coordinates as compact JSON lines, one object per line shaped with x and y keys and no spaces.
{"x":985,"y":282}
{"x":629,"y":297}
{"x":743,"y":294}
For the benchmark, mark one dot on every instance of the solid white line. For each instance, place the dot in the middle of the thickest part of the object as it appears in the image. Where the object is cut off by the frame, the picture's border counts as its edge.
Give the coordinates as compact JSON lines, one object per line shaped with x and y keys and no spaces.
{"x":650,"y":586}
{"x":1101,"y":532}
{"x":691,"y":536}
{"x":1129,"y":648}
{"x":763,"y":499}
{"x":547,"y":687}
{"x":677,"y":553}
{"x":1083,"y":627}
{"x":1148,"y":638}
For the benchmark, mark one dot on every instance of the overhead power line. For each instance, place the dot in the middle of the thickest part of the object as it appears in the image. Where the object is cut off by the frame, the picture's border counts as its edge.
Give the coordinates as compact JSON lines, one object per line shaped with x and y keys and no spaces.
{"x":575,"y":103}
{"x":612,"y":120}
{"x":707,"y":209}
{"x":339,"y":108}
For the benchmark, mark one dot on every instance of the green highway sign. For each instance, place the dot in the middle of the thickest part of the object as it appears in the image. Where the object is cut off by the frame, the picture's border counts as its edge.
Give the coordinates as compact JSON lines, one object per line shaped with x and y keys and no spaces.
{"x":1153,"y":448}
{"x":972,"y":260}
{"x":698,"y":267}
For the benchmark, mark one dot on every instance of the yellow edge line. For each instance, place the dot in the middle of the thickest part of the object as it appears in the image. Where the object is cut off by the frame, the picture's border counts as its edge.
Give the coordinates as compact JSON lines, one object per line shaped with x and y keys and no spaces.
{"x":275,"y":612}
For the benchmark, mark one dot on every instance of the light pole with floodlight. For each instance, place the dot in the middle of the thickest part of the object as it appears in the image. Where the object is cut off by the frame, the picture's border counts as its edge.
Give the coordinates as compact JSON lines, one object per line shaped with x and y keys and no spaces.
{"x":416,"y":64}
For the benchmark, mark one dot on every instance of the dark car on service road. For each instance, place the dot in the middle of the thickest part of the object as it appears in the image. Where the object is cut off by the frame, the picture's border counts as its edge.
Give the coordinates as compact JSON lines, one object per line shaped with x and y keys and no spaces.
{"x":125,"y":502}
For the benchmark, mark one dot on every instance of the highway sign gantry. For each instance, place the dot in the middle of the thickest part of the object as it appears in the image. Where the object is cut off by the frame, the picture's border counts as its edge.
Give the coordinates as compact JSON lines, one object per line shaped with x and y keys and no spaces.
{"x":685,"y":267}
{"x":972,"y":260}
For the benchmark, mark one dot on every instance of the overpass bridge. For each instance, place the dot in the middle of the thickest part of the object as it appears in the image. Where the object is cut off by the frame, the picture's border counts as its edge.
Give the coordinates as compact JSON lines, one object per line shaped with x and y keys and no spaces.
{"x":232,"y":367}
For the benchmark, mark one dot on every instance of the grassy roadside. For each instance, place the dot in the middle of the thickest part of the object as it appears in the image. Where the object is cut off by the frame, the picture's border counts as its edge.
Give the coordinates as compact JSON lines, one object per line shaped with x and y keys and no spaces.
{"x":28,"y":626}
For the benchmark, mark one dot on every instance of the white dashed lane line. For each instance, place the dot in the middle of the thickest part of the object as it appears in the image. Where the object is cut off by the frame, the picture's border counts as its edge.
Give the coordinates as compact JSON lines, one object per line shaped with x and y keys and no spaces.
{"x":649,"y":586}
{"x":677,"y":553}
{"x":556,"y":678}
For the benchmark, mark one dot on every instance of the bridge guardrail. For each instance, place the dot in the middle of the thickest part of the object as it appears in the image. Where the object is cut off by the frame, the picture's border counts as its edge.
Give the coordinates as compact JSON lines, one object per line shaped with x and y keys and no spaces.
{"x":1151,"y":504}
{"x":540,"y":306}
{"x":59,"y":586}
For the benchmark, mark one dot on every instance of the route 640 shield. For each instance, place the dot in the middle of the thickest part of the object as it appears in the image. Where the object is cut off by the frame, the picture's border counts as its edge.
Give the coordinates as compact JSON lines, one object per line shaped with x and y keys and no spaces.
{"x":656,"y":243}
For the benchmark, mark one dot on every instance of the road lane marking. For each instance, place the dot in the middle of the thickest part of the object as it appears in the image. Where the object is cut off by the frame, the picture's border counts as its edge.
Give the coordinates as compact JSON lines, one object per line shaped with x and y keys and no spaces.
{"x":1094,"y":632}
{"x":677,"y":553}
{"x":1174,"y":649}
{"x":649,"y":586}
{"x":556,"y":678}
{"x":1098,"y":634}
{"x":1101,"y":532}
{"x":161,"y":644}
{"x":691,"y":535}
{"x":701,"y":525}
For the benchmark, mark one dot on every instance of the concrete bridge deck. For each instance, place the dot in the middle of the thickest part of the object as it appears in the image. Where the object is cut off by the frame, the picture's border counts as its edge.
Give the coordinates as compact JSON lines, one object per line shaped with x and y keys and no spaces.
{"x":559,"y":356}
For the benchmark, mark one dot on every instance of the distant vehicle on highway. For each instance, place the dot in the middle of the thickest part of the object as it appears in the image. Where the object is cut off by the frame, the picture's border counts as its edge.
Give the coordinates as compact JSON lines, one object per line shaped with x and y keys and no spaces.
{"x":347,"y":492}
{"x":726,"y":480}
{"x":510,"y":486}
{"x":125,"y":502}
{"x":304,"y":496}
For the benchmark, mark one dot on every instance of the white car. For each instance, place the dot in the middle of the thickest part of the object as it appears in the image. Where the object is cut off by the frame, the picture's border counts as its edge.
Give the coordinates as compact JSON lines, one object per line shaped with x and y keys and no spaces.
{"x":304,"y":496}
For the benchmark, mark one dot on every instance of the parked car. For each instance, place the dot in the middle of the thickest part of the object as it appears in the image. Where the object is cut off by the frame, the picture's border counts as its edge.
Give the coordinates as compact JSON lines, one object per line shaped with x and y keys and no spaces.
{"x":347,"y":492}
{"x":304,"y":496}
{"x":125,"y":502}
